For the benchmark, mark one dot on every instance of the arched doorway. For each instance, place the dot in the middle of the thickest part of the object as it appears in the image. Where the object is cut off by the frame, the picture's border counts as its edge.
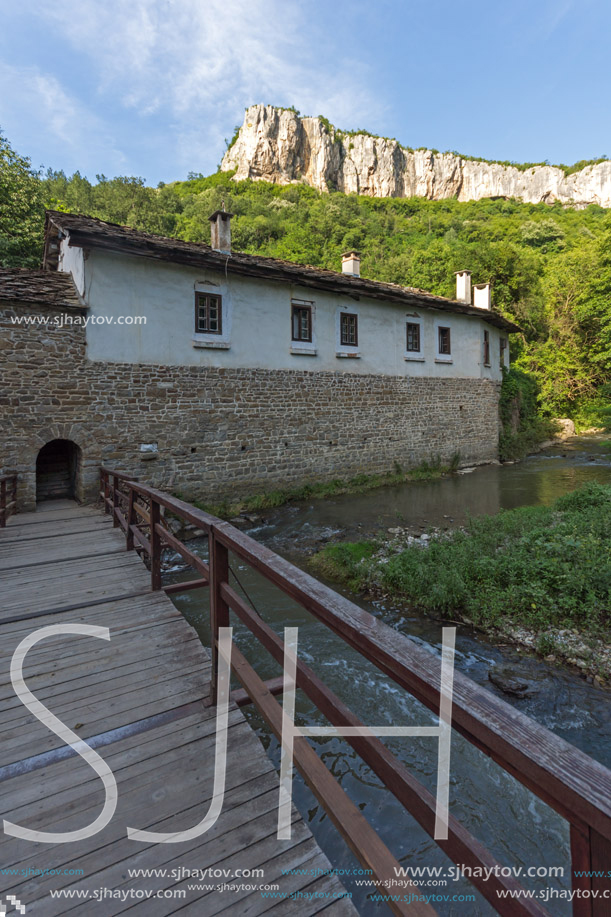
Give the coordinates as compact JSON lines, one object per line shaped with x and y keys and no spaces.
{"x":57,"y":470}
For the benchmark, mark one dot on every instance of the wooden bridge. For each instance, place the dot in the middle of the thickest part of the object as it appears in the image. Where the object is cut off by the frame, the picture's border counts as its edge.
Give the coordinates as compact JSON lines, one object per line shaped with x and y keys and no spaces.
{"x":147,"y":700}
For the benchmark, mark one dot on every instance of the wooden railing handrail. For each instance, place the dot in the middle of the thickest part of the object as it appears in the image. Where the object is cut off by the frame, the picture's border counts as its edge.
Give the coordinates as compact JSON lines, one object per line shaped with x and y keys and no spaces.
{"x":415,"y":797}
{"x":119,"y":475}
{"x":573,"y":784}
{"x":185,"y":511}
{"x":543,"y":761}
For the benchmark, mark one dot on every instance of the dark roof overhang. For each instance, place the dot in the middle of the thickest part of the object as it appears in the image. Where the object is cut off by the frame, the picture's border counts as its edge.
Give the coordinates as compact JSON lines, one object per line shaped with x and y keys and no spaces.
{"x":89,"y":232}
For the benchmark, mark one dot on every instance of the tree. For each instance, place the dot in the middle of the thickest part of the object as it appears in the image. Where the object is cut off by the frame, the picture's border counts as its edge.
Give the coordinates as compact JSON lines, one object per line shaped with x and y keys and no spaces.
{"x":573,"y":359}
{"x":21,"y":209}
{"x":543,"y":234}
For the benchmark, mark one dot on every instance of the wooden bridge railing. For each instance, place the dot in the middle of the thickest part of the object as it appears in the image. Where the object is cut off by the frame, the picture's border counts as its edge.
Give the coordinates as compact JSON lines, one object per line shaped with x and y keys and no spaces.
{"x":577,"y":787}
{"x":8,"y":497}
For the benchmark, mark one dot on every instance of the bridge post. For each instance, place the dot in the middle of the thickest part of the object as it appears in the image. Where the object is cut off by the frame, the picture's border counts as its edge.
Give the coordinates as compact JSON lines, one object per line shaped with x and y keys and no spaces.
{"x":219,"y":610}
{"x":115,"y":500}
{"x":104,"y":481}
{"x":154,"y":517}
{"x":590,"y":855}
{"x":600,"y":848}
{"x":581,"y":861}
{"x":131,"y":519}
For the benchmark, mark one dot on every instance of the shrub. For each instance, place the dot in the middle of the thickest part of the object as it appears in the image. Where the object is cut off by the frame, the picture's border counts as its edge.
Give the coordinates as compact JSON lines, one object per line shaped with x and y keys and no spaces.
{"x":539,"y":566}
{"x":522,"y":426}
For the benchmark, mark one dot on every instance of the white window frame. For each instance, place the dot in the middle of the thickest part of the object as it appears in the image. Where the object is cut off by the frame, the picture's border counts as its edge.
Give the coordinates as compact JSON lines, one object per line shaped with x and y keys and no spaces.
{"x":414,"y":356}
{"x":214,"y":341}
{"x":347,"y":351}
{"x":303,"y":348}
{"x":444,"y":357}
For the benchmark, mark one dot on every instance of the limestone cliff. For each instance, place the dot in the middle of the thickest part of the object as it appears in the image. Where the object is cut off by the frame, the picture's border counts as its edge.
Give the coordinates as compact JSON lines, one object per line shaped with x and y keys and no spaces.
{"x":278,"y":145}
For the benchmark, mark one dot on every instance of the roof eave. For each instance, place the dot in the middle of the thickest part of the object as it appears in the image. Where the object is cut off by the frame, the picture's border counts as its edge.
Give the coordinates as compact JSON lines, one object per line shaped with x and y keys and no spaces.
{"x":159,"y":250}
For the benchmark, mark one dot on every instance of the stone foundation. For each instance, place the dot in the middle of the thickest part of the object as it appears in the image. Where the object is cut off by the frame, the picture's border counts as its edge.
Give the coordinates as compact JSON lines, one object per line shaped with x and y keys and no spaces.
{"x":223,"y":432}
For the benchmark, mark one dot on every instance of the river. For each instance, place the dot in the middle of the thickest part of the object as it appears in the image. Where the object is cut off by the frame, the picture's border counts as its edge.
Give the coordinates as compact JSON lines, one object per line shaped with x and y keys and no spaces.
{"x":518,"y":828}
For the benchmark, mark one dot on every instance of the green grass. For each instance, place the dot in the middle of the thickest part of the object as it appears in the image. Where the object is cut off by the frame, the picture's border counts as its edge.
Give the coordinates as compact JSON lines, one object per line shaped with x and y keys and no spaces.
{"x":360,"y":483}
{"x":546,"y":645}
{"x":534,"y":566}
{"x":344,"y":563}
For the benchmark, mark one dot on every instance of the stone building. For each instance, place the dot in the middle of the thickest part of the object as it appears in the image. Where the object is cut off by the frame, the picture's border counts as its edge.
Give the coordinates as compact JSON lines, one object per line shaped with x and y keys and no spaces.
{"x":214,"y":373}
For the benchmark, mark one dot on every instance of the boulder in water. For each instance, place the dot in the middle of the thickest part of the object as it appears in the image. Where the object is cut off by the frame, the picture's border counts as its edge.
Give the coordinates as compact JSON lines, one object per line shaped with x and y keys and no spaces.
{"x":566,"y":428}
{"x":510,"y":681}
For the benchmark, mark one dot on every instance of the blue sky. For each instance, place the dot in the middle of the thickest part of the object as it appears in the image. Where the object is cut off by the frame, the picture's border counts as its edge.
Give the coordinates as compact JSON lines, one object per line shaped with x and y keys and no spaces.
{"x":153,"y":87}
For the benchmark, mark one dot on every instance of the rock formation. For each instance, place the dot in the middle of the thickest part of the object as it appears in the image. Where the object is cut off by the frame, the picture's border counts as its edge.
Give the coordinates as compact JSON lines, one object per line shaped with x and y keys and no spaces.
{"x":278,"y":145}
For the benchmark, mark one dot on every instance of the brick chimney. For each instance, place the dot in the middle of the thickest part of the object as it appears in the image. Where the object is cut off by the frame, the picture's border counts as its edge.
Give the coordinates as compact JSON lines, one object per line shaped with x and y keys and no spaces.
{"x":463,"y":287}
{"x":351,"y":263}
{"x":481,"y":296}
{"x":220,"y":231}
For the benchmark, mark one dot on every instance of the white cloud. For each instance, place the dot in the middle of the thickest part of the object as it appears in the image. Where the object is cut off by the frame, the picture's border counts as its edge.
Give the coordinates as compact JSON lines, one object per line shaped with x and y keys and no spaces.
{"x":196,"y":64}
{"x":38,"y":100}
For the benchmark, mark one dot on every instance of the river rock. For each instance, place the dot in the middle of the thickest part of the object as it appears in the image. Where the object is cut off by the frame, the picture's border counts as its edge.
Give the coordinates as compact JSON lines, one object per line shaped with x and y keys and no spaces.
{"x":567,"y":428}
{"x":512,"y":682}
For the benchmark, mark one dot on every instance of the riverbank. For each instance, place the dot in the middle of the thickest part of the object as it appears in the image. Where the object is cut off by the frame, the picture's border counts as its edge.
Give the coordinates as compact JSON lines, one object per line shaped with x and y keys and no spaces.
{"x":359,"y":484}
{"x":539,"y":576}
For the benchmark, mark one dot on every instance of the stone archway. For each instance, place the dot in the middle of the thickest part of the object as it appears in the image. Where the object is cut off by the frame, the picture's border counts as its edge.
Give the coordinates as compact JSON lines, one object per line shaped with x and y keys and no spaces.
{"x":58,"y":470}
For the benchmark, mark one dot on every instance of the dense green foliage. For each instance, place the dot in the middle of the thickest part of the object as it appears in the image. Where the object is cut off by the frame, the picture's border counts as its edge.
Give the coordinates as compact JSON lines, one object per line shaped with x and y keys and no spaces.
{"x":539,"y":566}
{"x":522,"y":426}
{"x":22,"y":201}
{"x":550,"y":266}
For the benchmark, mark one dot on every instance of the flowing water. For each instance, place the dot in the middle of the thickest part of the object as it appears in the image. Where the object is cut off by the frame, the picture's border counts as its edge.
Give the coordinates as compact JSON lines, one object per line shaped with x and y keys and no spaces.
{"x":518,"y":828}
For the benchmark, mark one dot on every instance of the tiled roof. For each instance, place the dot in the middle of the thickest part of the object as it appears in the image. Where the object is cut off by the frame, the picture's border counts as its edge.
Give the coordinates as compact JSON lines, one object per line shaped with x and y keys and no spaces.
{"x":41,"y":287}
{"x":90,"y":232}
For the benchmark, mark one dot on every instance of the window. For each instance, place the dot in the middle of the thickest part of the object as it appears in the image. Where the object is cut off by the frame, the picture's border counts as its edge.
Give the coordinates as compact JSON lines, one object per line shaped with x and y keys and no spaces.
{"x":208,"y":313}
{"x":302,"y":322}
{"x":486,"y":348}
{"x":444,"y":345}
{"x":502,"y":348}
{"x":349,"y":329}
{"x":413,"y":338}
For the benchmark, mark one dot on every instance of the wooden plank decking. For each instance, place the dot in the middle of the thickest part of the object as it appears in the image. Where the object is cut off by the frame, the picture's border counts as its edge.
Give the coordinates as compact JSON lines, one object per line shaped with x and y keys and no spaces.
{"x":140,"y":700}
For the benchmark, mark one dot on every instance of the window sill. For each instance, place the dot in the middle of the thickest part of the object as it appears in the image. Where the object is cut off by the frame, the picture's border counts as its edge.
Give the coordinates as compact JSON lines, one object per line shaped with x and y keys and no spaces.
{"x":348,"y":355}
{"x":303,"y":351}
{"x":211,"y":345}
{"x":413,"y":358}
{"x":444,"y":360}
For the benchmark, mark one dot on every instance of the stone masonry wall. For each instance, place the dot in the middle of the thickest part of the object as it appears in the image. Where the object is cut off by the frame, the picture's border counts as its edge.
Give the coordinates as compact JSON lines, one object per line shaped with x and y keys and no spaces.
{"x":224,"y":432}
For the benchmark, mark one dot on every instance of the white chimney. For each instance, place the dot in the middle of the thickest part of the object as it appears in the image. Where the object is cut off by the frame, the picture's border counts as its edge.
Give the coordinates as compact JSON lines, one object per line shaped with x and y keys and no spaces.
{"x":220,"y":231}
{"x":463,"y":286}
{"x":481,"y":296}
{"x":351,"y":263}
